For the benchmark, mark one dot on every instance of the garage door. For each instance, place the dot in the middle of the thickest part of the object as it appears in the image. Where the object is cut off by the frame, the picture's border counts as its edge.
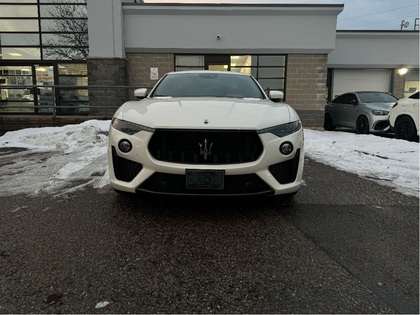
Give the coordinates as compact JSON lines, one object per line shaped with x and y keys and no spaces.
{"x":360,"y":80}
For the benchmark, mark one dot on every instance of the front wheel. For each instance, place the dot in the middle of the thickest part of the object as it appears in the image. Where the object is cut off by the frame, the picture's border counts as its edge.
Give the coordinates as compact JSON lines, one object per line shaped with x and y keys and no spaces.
{"x":362,"y":125}
{"x":405,"y":129}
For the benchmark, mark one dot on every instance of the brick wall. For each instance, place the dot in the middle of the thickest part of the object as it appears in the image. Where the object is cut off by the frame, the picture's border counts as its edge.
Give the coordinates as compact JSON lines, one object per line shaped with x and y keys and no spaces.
{"x":108,"y":72}
{"x":306,"y":86}
{"x":140,"y":64}
{"x":398,"y":85}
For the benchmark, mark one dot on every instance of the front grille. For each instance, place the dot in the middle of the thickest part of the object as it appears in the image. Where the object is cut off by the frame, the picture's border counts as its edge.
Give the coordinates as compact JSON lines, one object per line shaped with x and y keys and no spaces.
{"x":286,"y":172}
{"x":381,"y":125}
{"x":124,"y":170}
{"x":250,"y":184}
{"x":205,"y":146}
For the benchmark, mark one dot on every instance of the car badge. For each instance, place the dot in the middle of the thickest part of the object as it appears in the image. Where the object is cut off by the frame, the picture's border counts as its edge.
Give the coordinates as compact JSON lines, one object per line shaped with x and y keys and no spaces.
{"x":205,"y":149}
{"x":206,"y":121}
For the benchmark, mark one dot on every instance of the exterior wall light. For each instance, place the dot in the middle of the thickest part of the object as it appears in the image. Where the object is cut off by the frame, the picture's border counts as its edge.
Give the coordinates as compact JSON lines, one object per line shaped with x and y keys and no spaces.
{"x":402,"y":71}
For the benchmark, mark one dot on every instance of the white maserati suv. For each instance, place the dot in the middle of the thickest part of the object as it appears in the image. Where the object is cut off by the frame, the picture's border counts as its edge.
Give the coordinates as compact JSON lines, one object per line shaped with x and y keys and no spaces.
{"x":206,"y":133}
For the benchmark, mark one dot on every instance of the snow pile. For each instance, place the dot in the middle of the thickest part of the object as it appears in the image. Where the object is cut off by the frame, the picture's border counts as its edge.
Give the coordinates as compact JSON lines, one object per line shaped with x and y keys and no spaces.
{"x":389,"y":162}
{"x":61,"y":160}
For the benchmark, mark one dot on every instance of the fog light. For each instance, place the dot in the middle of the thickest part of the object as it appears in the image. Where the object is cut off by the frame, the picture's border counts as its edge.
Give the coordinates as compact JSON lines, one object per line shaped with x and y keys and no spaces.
{"x":125,"y":146}
{"x":286,"y":148}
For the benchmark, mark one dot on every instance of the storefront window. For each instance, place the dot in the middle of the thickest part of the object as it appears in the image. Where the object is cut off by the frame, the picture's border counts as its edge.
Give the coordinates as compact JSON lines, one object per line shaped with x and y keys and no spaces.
{"x":269,"y":70}
{"x":47,"y":36}
{"x":189,"y":62}
{"x":15,"y":95}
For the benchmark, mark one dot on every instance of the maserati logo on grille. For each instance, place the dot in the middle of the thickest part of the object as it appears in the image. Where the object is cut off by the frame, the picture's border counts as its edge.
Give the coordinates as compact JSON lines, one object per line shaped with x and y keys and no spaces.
{"x":205,"y":149}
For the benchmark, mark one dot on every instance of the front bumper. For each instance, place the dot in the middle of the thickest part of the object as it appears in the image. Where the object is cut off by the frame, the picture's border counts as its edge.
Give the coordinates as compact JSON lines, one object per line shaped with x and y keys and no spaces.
{"x":271,"y":173}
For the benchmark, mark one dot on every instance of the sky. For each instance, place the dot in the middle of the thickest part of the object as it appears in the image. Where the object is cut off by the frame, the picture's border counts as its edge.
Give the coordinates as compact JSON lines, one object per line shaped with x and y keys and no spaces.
{"x":357,"y":14}
{"x":47,"y":165}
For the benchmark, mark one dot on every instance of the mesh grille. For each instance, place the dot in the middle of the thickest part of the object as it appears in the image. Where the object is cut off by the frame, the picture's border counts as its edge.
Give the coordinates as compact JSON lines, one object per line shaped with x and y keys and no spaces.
{"x":286,"y":172}
{"x":205,"y":147}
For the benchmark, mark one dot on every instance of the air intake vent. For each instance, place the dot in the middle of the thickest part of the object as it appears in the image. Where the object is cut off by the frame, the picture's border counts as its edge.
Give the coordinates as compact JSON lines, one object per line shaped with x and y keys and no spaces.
{"x":286,"y":172}
{"x":125,"y":170}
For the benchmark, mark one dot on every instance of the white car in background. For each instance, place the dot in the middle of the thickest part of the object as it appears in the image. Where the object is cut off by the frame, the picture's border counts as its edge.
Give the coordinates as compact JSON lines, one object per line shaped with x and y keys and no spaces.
{"x":404,"y":117}
{"x":206,"y":133}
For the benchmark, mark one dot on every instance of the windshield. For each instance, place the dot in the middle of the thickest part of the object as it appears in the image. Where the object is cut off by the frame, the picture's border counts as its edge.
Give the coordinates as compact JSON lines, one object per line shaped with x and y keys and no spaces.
{"x":372,"y":97}
{"x":208,"y":85}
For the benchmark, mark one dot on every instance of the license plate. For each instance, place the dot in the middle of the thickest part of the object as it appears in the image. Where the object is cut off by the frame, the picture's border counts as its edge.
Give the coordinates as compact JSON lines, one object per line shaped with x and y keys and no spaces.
{"x":198,"y":179}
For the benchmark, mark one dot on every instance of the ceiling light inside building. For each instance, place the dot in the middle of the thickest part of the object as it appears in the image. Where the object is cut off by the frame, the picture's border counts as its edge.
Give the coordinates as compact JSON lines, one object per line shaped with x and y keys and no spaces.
{"x":14,"y":54}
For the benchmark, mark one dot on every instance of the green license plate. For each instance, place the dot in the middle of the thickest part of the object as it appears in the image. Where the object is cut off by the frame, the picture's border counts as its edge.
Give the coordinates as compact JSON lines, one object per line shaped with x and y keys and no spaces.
{"x":198,"y":179}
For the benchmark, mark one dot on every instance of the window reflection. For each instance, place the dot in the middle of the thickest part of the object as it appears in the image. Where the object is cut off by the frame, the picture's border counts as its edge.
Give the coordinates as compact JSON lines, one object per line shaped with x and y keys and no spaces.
{"x":72,"y":69}
{"x":8,"y":25}
{"x":19,"y":39}
{"x":20,"y":53}
{"x":16,"y":10}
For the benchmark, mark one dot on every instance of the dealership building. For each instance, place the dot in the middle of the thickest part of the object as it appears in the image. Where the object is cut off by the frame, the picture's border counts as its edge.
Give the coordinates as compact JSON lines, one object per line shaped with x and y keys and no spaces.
{"x":290,"y":47}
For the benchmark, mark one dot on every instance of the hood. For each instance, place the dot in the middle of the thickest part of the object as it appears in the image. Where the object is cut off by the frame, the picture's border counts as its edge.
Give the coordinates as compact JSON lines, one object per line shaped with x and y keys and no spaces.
{"x":206,"y":113}
{"x":380,"y":106}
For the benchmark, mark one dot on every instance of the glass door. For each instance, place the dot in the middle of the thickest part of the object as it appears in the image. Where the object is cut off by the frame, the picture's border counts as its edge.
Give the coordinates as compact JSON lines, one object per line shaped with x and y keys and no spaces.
{"x":44,"y":77}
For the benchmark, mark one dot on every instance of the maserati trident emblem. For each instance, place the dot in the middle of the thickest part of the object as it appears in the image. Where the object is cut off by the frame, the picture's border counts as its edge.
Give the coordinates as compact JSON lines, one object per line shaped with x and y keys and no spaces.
{"x":205,"y":149}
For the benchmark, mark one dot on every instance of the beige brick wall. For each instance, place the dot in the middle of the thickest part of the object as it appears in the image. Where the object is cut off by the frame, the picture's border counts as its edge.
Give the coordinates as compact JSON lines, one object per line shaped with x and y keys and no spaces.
{"x":306,"y":86}
{"x":139,"y":65}
{"x":398,"y":85}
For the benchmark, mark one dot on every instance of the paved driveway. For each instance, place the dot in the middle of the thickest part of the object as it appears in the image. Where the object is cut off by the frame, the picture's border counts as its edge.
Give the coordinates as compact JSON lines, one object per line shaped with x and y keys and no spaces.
{"x":344,"y":245}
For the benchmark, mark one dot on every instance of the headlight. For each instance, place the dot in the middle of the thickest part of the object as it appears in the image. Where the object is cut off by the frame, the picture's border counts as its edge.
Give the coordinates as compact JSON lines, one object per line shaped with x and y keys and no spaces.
{"x":380,"y":112}
{"x":129,"y":127}
{"x":283,"y":130}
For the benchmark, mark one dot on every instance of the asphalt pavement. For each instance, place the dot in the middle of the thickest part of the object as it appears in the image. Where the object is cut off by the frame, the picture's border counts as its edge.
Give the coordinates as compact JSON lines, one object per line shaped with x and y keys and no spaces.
{"x":343,"y":245}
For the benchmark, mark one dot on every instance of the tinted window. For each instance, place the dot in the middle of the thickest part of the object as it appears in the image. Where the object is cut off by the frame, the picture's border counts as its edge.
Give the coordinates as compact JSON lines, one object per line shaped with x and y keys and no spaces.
{"x":208,"y":84}
{"x":344,"y":99}
{"x":372,"y":97}
{"x":415,"y":96}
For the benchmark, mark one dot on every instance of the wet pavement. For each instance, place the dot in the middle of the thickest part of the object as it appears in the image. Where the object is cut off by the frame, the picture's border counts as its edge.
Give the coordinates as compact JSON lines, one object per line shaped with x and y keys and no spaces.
{"x":343,"y":245}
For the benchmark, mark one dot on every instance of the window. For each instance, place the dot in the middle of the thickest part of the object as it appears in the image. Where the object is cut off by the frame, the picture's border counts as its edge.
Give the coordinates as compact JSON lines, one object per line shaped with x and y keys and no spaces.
{"x":189,"y":62}
{"x":269,"y":70}
{"x":343,"y":99}
{"x":415,"y":96}
{"x":16,"y":95}
{"x":43,"y":43}
{"x":45,"y":30}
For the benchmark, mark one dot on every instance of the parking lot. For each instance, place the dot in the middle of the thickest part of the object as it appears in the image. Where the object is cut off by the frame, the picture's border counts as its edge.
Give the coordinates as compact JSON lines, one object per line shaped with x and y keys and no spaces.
{"x":343,"y":245}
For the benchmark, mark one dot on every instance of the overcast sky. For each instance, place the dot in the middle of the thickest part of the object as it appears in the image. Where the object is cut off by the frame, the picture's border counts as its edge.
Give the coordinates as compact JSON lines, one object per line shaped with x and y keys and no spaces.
{"x":357,"y":14}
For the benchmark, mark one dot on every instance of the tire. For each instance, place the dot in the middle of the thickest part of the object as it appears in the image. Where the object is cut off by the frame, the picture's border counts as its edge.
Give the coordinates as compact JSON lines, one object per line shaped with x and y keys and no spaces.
{"x":328,"y":123}
{"x":362,"y":125}
{"x":405,"y":129}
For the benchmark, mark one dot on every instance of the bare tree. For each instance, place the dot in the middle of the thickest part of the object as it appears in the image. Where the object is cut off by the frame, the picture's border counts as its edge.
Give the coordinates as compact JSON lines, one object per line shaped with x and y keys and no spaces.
{"x":70,"y":27}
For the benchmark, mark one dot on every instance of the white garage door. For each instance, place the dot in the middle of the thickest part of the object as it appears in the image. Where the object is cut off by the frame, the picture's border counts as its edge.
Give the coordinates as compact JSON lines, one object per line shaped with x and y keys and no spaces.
{"x":360,"y":80}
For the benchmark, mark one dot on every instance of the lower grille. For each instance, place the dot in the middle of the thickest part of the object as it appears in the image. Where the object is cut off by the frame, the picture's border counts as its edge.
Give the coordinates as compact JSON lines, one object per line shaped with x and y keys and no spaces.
{"x":124,"y":170}
{"x":174,"y":184}
{"x":286,"y":172}
{"x":381,"y":125}
{"x":205,"y":146}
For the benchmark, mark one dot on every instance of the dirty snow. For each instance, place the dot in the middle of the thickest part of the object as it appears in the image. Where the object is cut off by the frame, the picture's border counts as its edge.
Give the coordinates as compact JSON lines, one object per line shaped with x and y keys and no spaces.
{"x":60,"y":160}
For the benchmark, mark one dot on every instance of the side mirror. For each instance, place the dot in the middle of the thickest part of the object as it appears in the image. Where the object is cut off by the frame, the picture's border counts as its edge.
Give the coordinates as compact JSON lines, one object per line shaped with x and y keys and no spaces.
{"x":276,"y":96}
{"x":140,"y":93}
{"x":353,"y":102}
